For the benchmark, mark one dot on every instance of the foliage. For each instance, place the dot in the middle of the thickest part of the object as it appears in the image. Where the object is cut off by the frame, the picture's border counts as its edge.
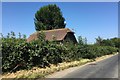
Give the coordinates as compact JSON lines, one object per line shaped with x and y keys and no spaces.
{"x":81,"y":40}
{"x":49,"y":17}
{"x":99,"y":40}
{"x":18,"y":54}
{"x":41,"y":36}
{"x":114,"y":42}
{"x":107,"y":42}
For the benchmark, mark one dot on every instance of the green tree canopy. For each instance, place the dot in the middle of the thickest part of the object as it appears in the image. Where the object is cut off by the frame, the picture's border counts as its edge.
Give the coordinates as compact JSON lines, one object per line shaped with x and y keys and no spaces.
{"x":82,"y":41}
{"x":49,"y":17}
{"x":99,"y":40}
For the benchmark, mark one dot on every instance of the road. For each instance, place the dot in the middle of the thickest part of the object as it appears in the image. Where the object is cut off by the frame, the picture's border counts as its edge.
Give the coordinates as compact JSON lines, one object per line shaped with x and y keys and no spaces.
{"x":107,"y":68}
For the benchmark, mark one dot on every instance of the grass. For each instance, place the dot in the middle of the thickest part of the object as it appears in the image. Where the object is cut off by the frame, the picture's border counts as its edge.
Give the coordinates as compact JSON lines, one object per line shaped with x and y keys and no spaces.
{"x":37,"y":72}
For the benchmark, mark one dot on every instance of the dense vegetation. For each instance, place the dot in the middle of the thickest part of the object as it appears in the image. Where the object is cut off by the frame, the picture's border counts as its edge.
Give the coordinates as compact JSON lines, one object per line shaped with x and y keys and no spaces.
{"x":114,"y":42}
{"x":49,"y":17}
{"x":18,"y":54}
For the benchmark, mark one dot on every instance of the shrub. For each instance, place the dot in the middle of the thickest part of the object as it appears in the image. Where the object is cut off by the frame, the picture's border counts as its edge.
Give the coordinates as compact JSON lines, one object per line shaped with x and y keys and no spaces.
{"x":18,"y":54}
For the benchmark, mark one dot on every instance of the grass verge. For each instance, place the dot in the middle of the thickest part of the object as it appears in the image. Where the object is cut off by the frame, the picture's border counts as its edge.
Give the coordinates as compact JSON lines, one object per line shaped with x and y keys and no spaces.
{"x":37,"y":72}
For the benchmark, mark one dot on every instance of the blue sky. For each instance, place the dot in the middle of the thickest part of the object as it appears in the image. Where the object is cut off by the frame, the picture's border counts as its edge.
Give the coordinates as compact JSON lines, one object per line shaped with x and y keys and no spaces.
{"x":86,"y":19}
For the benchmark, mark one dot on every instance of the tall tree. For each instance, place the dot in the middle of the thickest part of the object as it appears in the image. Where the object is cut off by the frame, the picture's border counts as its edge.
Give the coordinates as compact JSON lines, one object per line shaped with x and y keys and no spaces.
{"x":49,"y":17}
{"x":82,"y":40}
{"x":85,"y":40}
{"x":24,"y":36}
{"x":8,"y":35}
{"x":12,"y":34}
{"x":99,"y":40}
{"x":19,"y":35}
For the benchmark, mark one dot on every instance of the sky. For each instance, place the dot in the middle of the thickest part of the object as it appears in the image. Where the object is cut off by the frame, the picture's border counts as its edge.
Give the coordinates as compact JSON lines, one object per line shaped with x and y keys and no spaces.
{"x":86,"y":19}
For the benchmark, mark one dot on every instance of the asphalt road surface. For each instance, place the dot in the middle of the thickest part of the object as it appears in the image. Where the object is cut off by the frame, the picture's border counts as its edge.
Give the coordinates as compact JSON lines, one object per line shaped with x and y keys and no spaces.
{"x":107,"y":68}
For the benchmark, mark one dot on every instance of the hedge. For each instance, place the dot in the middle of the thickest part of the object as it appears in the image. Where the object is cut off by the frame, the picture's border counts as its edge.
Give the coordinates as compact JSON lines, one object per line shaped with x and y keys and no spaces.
{"x":18,"y":54}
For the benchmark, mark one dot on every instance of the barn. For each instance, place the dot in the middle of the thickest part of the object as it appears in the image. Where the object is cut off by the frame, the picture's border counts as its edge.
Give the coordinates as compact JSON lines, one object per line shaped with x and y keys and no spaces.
{"x":60,"y":35}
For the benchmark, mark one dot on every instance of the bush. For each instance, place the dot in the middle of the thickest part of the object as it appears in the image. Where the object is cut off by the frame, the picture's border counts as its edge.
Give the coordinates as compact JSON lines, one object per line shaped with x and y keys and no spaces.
{"x":23,"y":55}
{"x":18,"y":54}
{"x":11,"y":53}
